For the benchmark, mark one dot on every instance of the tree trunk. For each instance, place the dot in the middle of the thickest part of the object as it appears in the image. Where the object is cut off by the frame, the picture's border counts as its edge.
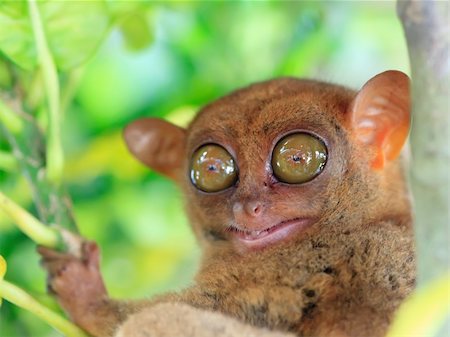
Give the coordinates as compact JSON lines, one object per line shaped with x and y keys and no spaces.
{"x":426,"y":25}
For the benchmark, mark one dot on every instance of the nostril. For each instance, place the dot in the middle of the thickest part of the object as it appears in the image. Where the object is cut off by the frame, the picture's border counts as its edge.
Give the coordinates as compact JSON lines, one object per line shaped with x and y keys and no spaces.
{"x":254,"y":208}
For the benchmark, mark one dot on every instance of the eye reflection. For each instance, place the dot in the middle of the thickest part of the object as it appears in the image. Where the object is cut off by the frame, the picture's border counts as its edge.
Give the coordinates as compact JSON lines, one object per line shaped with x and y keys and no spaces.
{"x":212,"y":168}
{"x":298,"y":158}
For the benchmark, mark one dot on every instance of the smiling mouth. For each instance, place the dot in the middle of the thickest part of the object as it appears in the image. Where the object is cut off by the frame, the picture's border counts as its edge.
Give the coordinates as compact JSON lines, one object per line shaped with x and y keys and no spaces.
{"x":255,"y":239}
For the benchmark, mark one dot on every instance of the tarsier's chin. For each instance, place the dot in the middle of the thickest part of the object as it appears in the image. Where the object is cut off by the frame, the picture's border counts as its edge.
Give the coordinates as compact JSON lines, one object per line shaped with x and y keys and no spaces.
{"x":296,"y":194}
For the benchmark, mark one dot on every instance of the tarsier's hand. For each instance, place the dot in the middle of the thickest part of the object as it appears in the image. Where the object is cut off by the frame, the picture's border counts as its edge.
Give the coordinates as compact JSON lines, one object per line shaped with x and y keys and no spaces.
{"x":75,"y":278}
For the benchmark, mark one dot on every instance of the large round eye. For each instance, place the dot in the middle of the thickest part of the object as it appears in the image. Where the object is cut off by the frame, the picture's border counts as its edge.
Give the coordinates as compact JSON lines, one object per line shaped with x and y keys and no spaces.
{"x":212,"y":168}
{"x":298,"y":158}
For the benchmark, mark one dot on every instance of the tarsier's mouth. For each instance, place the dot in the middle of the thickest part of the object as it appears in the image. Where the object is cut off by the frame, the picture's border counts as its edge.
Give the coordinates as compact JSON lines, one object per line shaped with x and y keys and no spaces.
{"x":261,"y":238}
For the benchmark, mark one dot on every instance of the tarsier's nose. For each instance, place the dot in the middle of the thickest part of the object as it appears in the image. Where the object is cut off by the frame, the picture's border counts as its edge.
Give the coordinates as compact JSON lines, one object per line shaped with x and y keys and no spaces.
{"x":248,"y":209}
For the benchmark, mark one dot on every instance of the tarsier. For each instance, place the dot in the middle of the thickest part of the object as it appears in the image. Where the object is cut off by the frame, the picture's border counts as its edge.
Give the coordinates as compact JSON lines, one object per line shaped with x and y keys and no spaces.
{"x":297,"y":196}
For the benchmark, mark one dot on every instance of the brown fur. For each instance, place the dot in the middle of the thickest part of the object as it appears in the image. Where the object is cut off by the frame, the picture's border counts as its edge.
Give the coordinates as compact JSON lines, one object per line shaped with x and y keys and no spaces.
{"x":343,"y":276}
{"x":176,"y":319}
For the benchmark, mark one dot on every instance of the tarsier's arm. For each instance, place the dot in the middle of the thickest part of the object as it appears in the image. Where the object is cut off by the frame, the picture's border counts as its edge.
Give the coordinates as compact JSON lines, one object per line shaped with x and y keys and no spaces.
{"x":78,"y":285}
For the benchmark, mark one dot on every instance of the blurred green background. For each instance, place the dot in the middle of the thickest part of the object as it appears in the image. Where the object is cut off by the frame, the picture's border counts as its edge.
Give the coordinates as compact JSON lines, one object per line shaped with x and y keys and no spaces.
{"x":167,"y":60}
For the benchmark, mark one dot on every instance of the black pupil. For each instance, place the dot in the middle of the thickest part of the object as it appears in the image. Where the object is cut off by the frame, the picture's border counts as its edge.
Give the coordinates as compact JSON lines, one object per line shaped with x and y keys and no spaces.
{"x":211,"y":168}
{"x":296,"y":158}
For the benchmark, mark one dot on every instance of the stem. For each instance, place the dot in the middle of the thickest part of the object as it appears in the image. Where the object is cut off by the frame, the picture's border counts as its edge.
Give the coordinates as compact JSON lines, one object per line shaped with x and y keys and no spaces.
{"x":32,"y":227}
{"x":69,"y":90}
{"x":19,"y":297}
{"x":55,"y":158}
{"x":9,"y":119}
{"x":53,"y":204}
{"x":8,"y":162}
{"x":35,"y":91}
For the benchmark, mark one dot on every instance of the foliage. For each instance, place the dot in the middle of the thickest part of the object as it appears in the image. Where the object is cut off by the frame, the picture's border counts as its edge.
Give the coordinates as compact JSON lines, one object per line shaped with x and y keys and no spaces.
{"x":116,"y":61}
{"x":428,"y":308}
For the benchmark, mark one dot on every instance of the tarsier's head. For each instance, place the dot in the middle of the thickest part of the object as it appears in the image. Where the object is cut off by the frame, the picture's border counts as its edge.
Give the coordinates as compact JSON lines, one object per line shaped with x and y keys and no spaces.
{"x":285,"y":158}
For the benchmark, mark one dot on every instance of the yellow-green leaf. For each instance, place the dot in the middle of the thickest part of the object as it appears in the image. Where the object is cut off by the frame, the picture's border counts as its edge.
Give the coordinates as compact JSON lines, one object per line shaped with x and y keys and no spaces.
{"x":73,"y":29}
{"x":2,"y":272}
{"x":424,"y":313}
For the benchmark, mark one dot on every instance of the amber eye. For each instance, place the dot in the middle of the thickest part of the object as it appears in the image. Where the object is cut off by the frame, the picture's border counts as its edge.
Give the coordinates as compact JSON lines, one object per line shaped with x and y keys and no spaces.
{"x":212,"y":168}
{"x":298,"y":158}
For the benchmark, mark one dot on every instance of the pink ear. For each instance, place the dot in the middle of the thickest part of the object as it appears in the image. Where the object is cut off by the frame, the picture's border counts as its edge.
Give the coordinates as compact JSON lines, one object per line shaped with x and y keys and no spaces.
{"x":158,"y":144}
{"x":380,"y":115}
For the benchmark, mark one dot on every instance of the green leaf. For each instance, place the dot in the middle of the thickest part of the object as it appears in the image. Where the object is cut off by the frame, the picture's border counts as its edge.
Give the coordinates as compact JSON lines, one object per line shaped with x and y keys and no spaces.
{"x":121,"y":9}
{"x":73,"y":29}
{"x":136,"y":32}
{"x":5,"y":76}
{"x":16,"y":37}
{"x":132,"y":18}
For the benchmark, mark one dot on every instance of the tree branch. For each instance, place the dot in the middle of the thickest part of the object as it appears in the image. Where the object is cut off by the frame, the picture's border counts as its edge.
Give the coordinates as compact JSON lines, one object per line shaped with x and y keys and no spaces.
{"x":426,"y":28}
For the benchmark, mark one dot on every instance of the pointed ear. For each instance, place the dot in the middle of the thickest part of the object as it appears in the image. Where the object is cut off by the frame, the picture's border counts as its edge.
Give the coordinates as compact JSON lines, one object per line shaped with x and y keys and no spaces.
{"x":157,"y":144}
{"x":380,"y":116}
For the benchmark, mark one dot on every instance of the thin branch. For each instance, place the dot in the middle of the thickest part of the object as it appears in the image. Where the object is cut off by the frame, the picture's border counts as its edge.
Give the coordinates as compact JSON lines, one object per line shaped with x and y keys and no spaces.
{"x":35,"y":93}
{"x":19,"y":297}
{"x":52,"y":203}
{"x":55,"y":157}
{"x":69,"y":90}
{"x":32,"y":227}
